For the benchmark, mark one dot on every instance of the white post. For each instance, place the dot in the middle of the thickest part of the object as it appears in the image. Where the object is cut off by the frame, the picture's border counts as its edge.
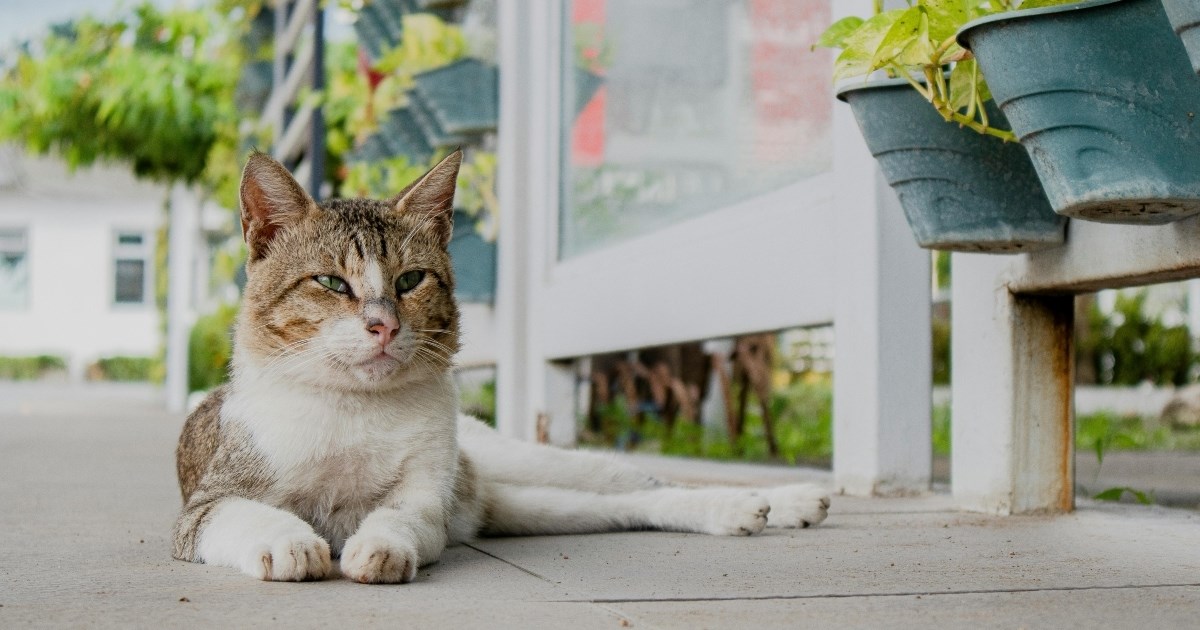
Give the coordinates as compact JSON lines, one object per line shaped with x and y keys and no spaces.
{"x":1013,"y":383}
{"x":523,"y":249}
{"x":181,"y":253}
{"x":882,"y":381}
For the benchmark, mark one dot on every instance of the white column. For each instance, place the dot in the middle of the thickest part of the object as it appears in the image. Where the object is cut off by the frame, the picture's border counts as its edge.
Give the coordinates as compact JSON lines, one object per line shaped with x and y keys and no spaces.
{"x":181,"y":253}
{"x":1013,"y":383}
{"x":526,"y":184}
{"x":882,"y":381}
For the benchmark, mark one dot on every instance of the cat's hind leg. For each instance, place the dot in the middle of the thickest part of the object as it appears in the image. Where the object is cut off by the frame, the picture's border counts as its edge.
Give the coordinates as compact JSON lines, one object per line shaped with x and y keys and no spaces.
{"x":538,"y":510}
{"x":797,"y":505}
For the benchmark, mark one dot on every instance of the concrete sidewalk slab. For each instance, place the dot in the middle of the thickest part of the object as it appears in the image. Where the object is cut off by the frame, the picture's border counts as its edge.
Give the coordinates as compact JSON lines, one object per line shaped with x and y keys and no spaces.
{"x":88,"y":496}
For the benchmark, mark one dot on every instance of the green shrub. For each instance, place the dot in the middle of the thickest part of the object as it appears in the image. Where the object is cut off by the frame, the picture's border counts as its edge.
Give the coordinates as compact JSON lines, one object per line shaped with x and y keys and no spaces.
{"x":480,"y":402}
{"x":30,"y":368}
{"x":124,"y":369}
{"x":210,"y":347}
{"x":941,"y":430}
{"x":1131,"y":347}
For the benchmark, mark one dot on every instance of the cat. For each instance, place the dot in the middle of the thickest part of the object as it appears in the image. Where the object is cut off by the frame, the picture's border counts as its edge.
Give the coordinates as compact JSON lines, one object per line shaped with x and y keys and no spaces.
{"x":339,"y":435}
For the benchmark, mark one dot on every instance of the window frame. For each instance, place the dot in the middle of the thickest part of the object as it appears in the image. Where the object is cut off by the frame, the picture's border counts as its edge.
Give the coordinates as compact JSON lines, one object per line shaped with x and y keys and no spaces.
{"x":144,"y":252}
{"x":20,"y":232}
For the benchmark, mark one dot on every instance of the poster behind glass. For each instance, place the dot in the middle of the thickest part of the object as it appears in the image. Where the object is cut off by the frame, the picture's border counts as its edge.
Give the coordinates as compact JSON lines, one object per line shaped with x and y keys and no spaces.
{"x":674,"y":108}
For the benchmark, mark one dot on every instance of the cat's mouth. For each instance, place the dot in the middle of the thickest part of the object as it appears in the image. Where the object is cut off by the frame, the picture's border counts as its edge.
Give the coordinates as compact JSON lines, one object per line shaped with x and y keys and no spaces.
{"x":381,"y":358}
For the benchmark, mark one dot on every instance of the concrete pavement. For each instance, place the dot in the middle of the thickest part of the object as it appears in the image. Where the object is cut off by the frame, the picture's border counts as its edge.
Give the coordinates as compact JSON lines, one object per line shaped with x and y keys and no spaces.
{"x":88,"y":496}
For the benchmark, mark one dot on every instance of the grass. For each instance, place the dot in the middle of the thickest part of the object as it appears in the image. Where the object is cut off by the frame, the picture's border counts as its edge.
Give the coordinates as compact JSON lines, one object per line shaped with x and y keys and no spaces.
{"x":803,"y":428}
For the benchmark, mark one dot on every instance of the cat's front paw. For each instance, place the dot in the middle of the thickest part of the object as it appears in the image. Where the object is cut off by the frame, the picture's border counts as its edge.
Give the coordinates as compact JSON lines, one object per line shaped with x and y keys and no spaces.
{"x":737,"y":513}
{"x":379,"y":560}
{"x":293,"y":558}
{"x":798,"y":505}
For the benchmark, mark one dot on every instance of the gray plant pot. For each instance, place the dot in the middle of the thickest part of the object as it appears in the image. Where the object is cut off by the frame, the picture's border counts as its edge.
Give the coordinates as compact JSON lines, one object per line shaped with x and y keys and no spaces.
{"x":960,"y":190}
{"x":1101,"y":96}
{"x":1185,"y":20}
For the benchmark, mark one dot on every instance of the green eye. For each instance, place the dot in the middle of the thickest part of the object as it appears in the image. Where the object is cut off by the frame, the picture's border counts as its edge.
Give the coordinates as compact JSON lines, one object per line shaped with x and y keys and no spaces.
{"x":333,"y":283}
{"x":409,"y":280}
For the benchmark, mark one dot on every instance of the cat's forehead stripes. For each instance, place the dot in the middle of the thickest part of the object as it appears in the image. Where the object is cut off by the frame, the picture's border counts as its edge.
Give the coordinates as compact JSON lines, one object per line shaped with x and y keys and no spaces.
{"x":373,"y":279}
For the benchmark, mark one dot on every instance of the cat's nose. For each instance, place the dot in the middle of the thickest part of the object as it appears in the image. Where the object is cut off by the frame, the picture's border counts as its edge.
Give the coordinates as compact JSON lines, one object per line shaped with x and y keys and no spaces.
{"x":384,"y":329}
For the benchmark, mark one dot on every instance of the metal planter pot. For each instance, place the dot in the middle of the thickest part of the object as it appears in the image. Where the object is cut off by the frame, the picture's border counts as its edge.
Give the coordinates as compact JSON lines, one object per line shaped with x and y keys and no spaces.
{"x":1185,"y":20}
{"x":1101,"y":96}
{"x":961,"y":191}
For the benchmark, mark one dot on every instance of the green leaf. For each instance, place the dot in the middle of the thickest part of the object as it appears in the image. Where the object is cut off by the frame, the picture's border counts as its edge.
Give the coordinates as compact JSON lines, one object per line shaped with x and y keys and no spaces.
{"x":835,"y":35}
{"x":1115,"y":494}
{"x":966,"y":81}
{"x":1037,"y":4}
{"x":860,"y":46}
{"x":903,"y":34}
{"x":946,"y":16}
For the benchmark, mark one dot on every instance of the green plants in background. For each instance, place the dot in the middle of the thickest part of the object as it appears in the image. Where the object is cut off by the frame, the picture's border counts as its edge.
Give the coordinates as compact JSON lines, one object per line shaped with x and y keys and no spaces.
{"x":125,"y":369}
{"x":153,"y":89}
{"x":31,"y":367}
{"x":480,"y":402}
{"x":210,"y":348}
{"x":1130,"y":346}
{"x":803,"y":412}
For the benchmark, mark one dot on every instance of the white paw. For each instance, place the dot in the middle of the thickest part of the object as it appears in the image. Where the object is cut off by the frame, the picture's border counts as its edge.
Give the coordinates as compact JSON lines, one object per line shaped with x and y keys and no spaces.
{"x":737,"y":513}
{"x":292,"y":558}
{"x":798,"y":505}
{"x":379,"y":560}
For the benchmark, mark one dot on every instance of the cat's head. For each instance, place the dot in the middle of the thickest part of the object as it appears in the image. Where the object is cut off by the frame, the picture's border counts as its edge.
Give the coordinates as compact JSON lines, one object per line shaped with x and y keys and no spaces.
{"x":349,"y":294}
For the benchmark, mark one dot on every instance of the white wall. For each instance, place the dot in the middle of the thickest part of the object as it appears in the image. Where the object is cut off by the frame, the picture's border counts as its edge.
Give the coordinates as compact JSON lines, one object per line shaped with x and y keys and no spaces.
{"x":70,"y":222}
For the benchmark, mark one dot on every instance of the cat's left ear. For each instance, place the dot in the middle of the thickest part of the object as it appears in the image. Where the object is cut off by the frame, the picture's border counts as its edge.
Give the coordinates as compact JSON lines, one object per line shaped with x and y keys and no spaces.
{"x":432,"y":196}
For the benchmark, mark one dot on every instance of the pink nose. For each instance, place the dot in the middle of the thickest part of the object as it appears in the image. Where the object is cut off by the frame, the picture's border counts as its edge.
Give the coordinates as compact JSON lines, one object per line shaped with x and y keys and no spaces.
{"x":384,"y":331}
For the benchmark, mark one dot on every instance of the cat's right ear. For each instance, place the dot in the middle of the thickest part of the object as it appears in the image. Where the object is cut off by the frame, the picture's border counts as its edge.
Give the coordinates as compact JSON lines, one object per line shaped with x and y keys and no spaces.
{"x":270,"y":198}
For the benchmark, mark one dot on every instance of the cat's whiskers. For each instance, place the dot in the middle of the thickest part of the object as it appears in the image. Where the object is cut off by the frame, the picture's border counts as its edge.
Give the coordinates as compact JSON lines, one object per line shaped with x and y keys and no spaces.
{"x":297,"y":361}
{"x":287,"y":351}
{"x":438,"y":359}
{"x":437,"y":344}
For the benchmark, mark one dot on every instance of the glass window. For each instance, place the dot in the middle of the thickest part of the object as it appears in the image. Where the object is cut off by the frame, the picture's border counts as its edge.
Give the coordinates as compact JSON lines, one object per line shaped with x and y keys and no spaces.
{"x":14,"y":269}
{"x":131,"y":254}
{"x":673,"y":108}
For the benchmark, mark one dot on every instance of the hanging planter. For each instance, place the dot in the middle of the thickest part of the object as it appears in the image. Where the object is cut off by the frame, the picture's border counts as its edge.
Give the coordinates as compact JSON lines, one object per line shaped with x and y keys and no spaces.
{"x":1185,"y":20}
{"x":961,"y":191}
{"x":1101,"y":96}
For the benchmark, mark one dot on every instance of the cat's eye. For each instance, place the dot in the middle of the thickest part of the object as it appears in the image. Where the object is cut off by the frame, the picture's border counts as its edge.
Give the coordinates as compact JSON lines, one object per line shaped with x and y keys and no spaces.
{"x":409,"y":280}
{"x":333,"y":283}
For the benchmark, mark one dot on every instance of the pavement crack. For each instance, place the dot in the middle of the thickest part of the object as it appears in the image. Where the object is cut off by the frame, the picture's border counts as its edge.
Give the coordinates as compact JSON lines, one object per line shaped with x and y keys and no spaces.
{"x":635,"y":600}
{"x":511,"y":564}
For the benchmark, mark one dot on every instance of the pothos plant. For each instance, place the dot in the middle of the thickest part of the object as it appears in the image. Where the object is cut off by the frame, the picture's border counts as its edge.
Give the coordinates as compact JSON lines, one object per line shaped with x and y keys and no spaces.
{"x":917,"y":43}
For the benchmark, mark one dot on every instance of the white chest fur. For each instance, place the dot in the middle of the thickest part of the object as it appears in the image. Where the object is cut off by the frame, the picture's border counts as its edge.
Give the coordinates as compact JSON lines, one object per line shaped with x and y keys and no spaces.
{"x":334,"y":455}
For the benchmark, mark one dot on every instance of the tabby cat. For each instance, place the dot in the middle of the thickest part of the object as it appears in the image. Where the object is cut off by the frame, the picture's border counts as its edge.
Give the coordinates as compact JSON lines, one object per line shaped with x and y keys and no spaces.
{"x":339,"y":435}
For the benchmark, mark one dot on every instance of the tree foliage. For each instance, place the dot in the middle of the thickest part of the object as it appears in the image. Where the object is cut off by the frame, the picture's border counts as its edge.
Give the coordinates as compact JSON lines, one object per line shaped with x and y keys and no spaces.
{"x":153,"y":89}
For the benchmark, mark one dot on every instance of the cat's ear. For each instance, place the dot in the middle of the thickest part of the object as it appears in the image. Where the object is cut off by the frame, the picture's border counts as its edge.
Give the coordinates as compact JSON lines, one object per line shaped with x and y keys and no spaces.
{"x":432,"y":197}
{"x":271,"y":198}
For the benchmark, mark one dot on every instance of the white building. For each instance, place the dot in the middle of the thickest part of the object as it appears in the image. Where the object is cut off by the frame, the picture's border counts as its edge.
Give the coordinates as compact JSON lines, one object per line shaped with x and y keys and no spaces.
{"x":76,"y":261}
